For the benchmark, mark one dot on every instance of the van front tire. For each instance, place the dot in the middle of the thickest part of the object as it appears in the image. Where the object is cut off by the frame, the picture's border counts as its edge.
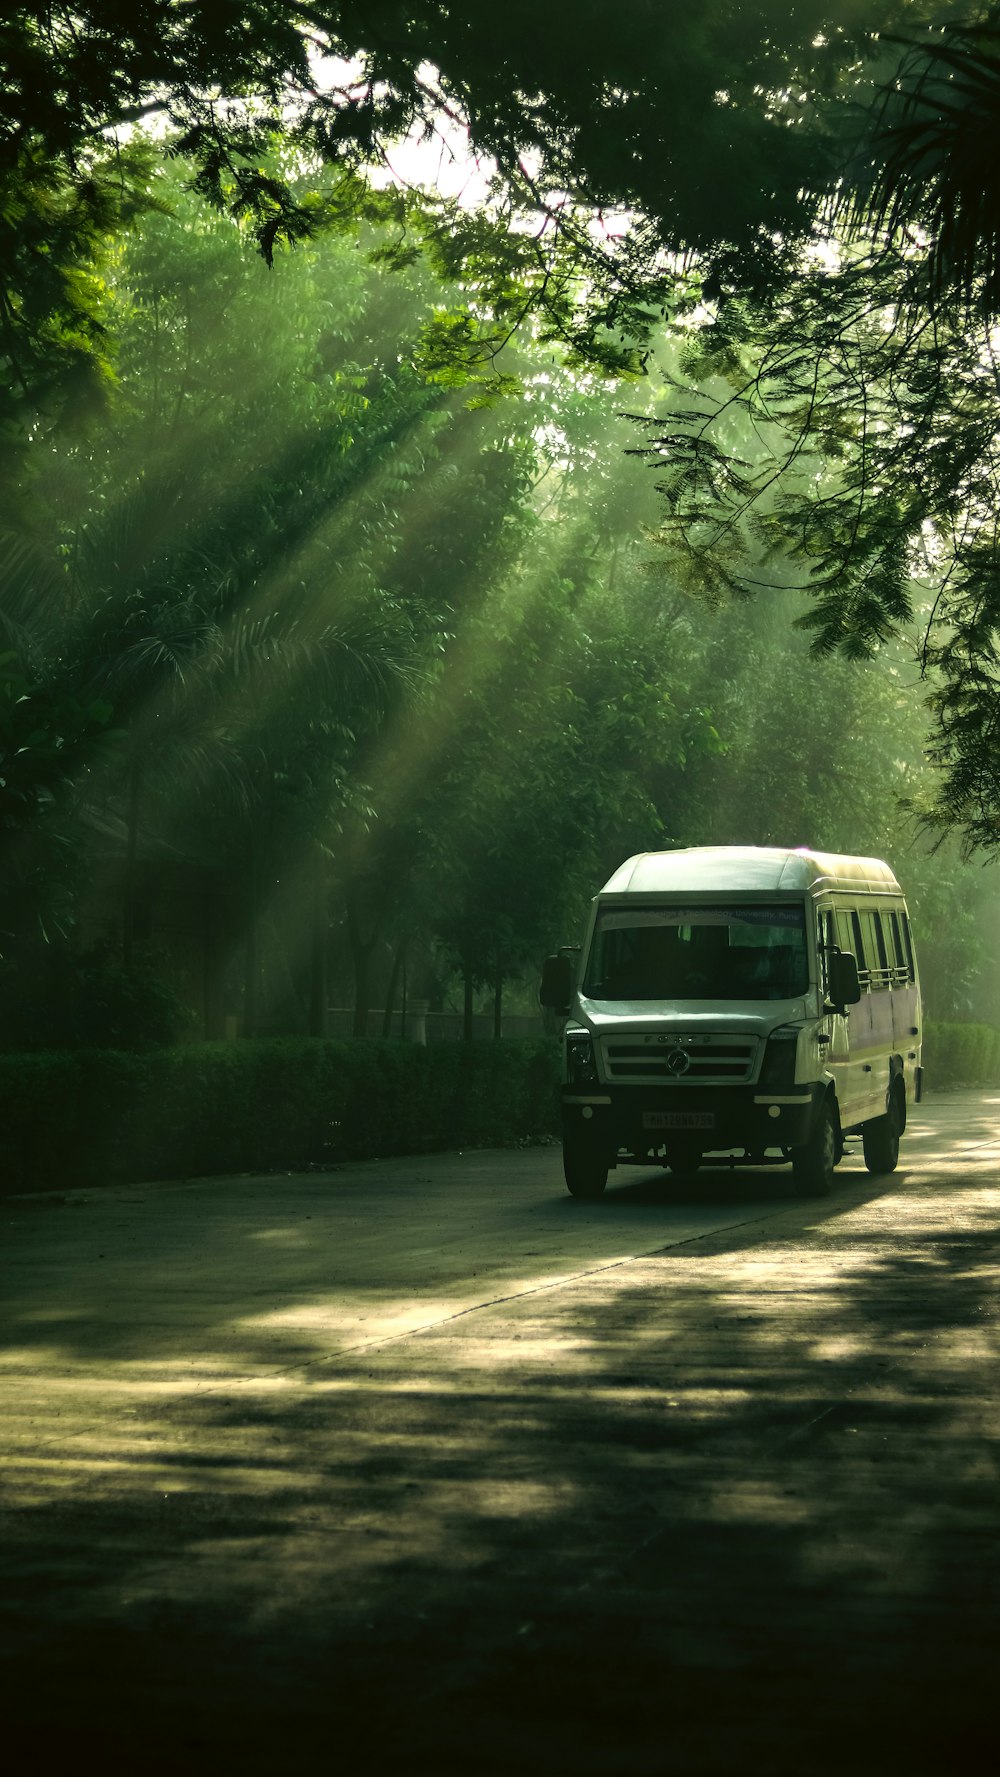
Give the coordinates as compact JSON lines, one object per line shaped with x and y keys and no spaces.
{"x":584,"y":1169}
{"x":814,"y":1161}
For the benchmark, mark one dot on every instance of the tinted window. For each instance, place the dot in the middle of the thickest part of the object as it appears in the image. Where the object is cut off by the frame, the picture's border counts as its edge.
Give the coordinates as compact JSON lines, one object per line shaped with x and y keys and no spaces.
{"x":911,"y":969}
{"x":899,"y":961}
{"x":846,"y":936}
{"x":698,"y":953}
{"x":857,"y":944}
{"x":827,"y":934}
{"x":874,"y":947}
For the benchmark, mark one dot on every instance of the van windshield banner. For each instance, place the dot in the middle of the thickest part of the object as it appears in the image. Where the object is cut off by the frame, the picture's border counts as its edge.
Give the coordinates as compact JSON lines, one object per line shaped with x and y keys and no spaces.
{"x":791,"y":918}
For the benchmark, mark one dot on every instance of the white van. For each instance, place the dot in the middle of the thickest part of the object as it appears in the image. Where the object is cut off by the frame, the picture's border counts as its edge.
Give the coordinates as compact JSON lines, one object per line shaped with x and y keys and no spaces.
{"x":738,"y":1000}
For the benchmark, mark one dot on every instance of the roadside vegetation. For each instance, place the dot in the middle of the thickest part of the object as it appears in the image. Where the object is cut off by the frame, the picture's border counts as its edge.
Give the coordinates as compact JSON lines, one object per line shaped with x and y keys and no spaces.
{"x":99,"y":1116}
{"x":91,"y":1116}
{"x":379,"y":567}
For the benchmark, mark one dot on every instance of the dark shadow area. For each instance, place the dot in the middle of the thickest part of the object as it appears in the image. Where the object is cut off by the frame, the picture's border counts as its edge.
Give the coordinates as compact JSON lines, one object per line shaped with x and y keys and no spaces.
{"x":731,"y":1511}
{"x":710,"y":1184}
{"x":757,"y":1189}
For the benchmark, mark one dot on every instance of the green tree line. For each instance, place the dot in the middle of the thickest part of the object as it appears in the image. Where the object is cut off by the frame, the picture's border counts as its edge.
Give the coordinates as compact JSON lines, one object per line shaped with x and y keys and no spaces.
{"x":329,"y":590}
{"x":392,"y":675}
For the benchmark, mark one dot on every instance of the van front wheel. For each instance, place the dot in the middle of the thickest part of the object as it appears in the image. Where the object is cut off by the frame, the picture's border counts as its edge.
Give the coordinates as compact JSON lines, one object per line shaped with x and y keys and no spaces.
{"x":814,"y":1161}
{"x":584,"y":1169}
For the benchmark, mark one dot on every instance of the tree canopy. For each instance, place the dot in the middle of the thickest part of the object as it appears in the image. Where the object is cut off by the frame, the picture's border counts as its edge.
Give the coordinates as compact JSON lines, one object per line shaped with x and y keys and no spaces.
{"x":309,"y":591}
{"x":869,"y":379}
{"x":617,"y":142}
{"x":370,"y":661}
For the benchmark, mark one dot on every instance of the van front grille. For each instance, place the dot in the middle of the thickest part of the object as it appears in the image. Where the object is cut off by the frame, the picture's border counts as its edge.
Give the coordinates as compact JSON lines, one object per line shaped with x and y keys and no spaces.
{"x":702,"y":1060}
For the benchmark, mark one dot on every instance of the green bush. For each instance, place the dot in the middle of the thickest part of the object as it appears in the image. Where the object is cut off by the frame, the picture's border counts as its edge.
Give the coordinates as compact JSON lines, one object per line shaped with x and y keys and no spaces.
{"x":961,"y":1055}
{"x":86,"y":1116}
{"x":53,"y":997}
{"x":92,"y":1115}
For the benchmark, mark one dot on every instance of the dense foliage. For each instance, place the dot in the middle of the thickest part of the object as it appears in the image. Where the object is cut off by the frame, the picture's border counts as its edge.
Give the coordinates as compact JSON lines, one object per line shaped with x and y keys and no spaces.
{"x":98,"y":1115}
{"x":393,"y":678}
{"x":332,"y":605}
{"x":695,"y":122}
{"x":962,"y":1055}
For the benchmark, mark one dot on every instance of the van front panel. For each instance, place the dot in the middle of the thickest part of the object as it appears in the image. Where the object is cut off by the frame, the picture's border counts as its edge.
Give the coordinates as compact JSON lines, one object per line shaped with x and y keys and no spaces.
{"x":693,"y":1058}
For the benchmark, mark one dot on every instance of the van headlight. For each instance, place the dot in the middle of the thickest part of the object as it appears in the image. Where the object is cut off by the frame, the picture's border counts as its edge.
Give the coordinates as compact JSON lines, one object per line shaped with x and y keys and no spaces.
{"x":581,"y":1068}
{"x":778,"y":1067}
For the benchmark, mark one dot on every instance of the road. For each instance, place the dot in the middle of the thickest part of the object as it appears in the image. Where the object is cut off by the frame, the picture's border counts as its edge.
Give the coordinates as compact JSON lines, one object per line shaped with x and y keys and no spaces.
{"x":424,"y":1462}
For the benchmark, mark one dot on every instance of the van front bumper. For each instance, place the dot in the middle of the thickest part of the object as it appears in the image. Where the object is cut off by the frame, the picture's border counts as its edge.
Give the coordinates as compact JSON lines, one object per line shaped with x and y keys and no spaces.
{"x":643,"y":1119}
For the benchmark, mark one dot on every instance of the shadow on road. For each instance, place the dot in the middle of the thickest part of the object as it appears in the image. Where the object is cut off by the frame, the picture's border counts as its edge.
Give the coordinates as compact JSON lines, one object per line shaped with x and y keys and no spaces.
{"x":730,"y":1509}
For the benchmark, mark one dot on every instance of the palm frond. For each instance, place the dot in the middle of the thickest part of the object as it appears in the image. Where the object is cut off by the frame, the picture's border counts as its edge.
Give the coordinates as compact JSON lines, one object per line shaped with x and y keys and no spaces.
{"x":32,"y":594}
{"x":932,"y":171}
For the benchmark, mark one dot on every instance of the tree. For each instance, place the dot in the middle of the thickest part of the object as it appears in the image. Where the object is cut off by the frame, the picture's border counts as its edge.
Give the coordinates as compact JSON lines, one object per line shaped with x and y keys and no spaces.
{"x":850,"y":425}
{"x":704,"y":130}
{"x":220,"y":581}
{"x":710,"y":149}
{"x":49,"y":739}
{"x":934,"y":177}
{"x":417,"y":630}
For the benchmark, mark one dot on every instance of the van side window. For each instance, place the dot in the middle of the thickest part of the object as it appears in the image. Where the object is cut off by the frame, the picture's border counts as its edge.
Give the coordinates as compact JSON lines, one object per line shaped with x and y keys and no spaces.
{"x":900,"y":965}
{"x":858,"y":946}
{"x":845,"y":933}
{"x":909,"y":947}
{"x":883,"y":948}
{"x":875,"y":952}
{"x":827,"y":942}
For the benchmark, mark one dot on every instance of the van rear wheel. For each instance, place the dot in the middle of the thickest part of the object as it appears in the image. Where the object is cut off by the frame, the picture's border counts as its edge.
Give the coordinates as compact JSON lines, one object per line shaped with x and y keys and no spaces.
{"x":814,"y":1161}
{"x":880,"y":1138}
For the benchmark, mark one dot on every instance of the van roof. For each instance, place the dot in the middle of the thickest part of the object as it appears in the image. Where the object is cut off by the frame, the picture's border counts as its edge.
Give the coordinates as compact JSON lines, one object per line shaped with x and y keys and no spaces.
{"x":735,"y":868}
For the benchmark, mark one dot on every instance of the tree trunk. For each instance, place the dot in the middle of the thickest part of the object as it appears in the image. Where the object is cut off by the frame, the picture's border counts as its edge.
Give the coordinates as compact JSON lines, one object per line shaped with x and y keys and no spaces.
{"x":467,"y":1004}
{"x":213,"y":1023}
{"x":318,"y":951}
{"x":361,"y":955}
{"x":131,"y":863}
{"x":390,"y":992}
{"x":251,"y":962}
{"x":498,"y":1006}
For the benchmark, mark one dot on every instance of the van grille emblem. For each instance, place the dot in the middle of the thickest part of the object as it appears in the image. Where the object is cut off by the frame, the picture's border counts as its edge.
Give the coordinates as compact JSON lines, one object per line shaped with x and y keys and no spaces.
{"x":678,"y":1062}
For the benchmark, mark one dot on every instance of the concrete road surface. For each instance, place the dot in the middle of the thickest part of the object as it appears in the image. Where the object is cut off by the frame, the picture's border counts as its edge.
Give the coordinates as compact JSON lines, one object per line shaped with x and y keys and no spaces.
{"x":420,"y":1465}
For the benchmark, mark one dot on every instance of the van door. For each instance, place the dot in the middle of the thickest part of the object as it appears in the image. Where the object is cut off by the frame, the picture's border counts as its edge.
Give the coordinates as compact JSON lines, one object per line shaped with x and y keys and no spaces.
{"x":880,"y":1005}
{"x":837,"y":1056}
{"x":857,"y":1093}
{"x":905,"y":997}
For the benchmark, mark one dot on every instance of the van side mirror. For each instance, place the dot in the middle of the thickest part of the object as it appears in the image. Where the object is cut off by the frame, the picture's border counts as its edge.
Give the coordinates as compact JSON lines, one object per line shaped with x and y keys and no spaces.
{"x":556,"y":991}
{"x":845,"y":988}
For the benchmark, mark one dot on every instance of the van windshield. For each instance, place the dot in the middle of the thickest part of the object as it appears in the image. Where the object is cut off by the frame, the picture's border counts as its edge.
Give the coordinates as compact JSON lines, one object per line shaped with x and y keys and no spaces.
{"x":698,"y":953}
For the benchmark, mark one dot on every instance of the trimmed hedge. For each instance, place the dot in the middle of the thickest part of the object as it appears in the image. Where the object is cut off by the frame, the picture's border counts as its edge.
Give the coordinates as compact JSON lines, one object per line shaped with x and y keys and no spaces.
{"x":93,"y":1115}
{"x":961,"y":1055}
{"x":98,"y":1115}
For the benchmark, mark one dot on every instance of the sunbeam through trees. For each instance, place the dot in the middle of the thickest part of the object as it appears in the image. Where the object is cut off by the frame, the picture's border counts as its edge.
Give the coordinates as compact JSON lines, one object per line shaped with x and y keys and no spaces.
{"x":382,"y":559}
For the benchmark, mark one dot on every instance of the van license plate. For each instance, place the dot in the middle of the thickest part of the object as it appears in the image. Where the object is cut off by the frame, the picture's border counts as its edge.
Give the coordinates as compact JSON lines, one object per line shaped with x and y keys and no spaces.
{"x":678,"y":1119}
